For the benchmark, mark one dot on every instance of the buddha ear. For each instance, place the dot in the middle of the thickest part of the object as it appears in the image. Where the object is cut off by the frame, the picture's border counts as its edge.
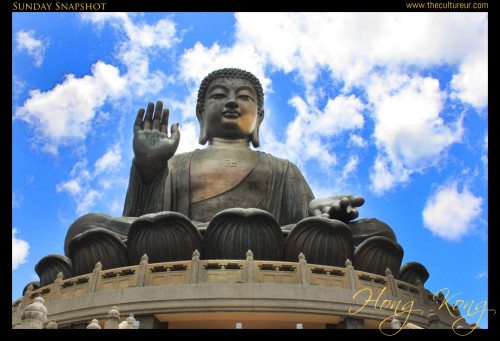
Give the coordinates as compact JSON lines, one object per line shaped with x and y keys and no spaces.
{"x":255,"y":135}
{"x":203,"y":129}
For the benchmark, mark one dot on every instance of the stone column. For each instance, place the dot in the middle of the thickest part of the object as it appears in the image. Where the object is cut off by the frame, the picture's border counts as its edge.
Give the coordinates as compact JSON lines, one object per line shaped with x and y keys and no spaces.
{"x":195,"y":267}
{"x":392,"y":282}
{"x":34,"y":316}
{"x":113,"y":319}
{"x":249,"y":268}
{"x":351,"y":274}
{"x":56,"y":286}
{"x":95,"y":277}
{"x":304,"y":272}
{"x":142,"y":270}
{"x":423,"y":294}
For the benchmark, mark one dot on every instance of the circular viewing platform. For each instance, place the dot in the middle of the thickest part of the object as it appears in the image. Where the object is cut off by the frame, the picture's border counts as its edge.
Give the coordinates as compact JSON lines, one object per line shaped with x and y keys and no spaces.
{"x":249,"y":293}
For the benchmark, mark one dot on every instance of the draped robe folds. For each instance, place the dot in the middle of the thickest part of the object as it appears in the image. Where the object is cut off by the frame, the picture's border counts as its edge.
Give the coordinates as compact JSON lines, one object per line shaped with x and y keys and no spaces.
{"x":286,"y":196}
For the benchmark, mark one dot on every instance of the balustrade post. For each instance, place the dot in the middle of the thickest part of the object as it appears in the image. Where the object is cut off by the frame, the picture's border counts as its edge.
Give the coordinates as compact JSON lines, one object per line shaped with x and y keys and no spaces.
{"x":195,"y":267}
{"x":304,"y":271}
{"x":56,"y":286}
{"x":352,"y":274}
{"x":95,"y":277}
{"x":392,"y":282}
{"x":142,"y":270}
{"x":249,"y":268}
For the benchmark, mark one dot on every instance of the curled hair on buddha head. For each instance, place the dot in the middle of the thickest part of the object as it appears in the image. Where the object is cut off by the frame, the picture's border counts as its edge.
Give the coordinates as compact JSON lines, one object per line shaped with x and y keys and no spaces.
{"x":229,"y":73}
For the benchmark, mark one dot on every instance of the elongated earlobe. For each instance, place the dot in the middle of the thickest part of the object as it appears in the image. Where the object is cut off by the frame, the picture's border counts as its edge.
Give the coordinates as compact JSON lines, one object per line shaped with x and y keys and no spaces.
{"x":203,"y":129}
{"x":203,"y":135}
{"x":255,"y":138}
{"x":255,"y":135}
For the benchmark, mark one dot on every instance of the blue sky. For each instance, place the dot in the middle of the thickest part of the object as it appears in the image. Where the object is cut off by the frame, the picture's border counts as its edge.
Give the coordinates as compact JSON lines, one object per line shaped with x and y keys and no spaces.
{"x":393,"y":107}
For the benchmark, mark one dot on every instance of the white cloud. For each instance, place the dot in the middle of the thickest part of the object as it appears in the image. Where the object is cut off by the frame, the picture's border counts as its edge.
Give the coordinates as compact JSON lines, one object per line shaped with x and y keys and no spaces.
{"x":18,"y":86}
{"x":482,"y":274}
{"x":140,"y":41}
{"x":79,"y":187}
{"x":26,"y":41}
{"x":340,"y":114}
{"x":352,"y":44}
{"x":116,"y":208}
{"x":350,"y":167}
{"x":484,"y":158}
{"x":450,"y":213}
{"x":109,"y":161}
{"x":88,"y":188}
{"x":71,"y":186}
{"x":409,"y":132}
{"x":357,"y":141}
{"x":16,"y":200}
{"x":199,"y":61}
{"x":470,"y":85}
{"x":20,"y":250}
{"x":189,"y":137}
{"x":366,"y":50}
{"x":385,"y":176}
{"x":65,"y":113}
{"x":87,"y":201}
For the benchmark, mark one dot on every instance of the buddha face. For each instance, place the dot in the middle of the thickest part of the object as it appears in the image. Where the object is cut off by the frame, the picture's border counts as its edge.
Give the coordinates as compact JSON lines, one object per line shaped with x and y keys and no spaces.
{"x":230,"y":109}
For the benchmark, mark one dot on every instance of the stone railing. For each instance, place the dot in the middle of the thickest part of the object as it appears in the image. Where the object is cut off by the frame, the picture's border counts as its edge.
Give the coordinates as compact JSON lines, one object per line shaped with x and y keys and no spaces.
{"x":198,"y":271}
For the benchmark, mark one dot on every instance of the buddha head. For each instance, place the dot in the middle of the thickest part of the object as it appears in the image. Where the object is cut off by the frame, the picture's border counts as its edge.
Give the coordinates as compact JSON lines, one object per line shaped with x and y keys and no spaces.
{"x":230,"y":105}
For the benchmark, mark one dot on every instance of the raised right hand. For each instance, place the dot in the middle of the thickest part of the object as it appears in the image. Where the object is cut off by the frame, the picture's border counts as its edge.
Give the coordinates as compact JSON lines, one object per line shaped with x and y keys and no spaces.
{"x":152,"y":146}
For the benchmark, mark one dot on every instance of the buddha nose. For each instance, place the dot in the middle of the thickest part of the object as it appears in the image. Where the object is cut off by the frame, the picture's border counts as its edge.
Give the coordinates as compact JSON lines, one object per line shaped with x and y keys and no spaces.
{"x":231,"y":103}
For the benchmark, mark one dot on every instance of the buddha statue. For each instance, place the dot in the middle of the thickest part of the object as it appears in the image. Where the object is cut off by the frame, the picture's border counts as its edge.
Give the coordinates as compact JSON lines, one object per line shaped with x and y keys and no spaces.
{"x":207,"y":192}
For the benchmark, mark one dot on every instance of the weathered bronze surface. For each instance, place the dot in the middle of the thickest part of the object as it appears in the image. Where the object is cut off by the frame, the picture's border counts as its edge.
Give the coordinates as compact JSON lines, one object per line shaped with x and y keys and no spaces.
{"x":376,"y":254}
{"x":414,"y":273}
{"x":164,"y":237}
{"x":234,"y":231}
{"x":321,"y":240}
{"x":227,"y":174}
{"x":49,"y":266}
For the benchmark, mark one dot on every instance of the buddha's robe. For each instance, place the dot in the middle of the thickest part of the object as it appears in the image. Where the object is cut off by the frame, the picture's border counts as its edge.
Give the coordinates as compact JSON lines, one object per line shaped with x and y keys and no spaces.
{"x":272,"y":184}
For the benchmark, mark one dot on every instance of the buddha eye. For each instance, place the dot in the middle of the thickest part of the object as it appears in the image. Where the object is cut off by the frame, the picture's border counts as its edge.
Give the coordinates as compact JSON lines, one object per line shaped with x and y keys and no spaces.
{"x":217,"y":96}
{"x":245,"y":98}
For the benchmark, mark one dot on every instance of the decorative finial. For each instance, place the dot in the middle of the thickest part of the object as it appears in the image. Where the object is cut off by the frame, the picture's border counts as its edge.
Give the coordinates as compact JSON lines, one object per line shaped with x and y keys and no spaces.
{"x":302,"y":257}
{"x":59,"y":275}
{"x":34,"y":315}
{"x":249,"y":255}
{"x":395,"y":323}
{"x":113,"y":313}
{"x":130,"y":321}
{"x":98,"y":266}
{"x":418,"y":282}
{"x":348,"y":262}
{"x":30,"y":287}
{"x":51,"y":325}
{"x":94,"y":325}
{"x":39,"y":299}
{"x":196,"y":254}
{"x":144,"y":259}
{"x":388,"y":272}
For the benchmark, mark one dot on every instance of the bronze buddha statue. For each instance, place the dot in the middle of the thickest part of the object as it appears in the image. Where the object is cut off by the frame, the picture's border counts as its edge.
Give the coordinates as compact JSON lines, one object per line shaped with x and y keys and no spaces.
{"x":200,"y":185}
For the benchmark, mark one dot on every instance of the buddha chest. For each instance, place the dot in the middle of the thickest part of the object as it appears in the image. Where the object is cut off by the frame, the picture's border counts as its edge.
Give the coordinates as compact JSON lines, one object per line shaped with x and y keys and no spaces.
{"x":217,"y":170}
